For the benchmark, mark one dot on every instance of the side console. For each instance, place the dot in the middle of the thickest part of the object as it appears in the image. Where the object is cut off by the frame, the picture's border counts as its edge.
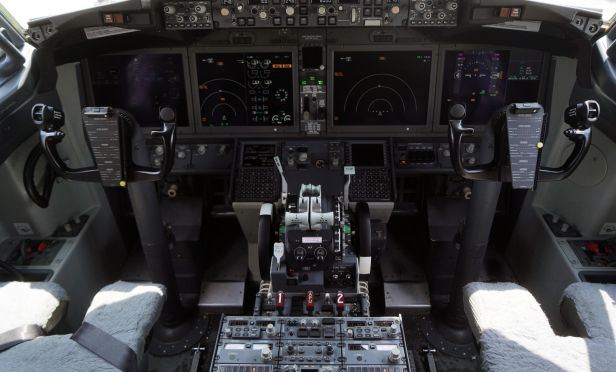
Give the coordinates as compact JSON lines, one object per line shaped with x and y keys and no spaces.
{"x":318,"y":344}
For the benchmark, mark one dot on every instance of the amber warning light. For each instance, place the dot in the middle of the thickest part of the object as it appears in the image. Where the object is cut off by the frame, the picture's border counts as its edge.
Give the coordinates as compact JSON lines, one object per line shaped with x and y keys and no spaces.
{"x":282,"y":65}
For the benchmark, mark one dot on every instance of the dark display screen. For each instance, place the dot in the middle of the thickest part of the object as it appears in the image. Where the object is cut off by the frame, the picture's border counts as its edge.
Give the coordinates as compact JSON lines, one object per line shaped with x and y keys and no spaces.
{"x":486,"y":80}
{"x":140,"y":84}
{"x":237,"y":89}
{"x":367,"y":155}
{"x":258,"y":155}
{"x":381,"y":88}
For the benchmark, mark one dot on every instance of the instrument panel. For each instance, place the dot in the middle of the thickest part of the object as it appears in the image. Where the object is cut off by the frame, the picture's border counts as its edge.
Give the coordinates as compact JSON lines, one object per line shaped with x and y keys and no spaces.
{"x":315,"y":89}
{"x":237,"y":89}
{"x":381,"y":88}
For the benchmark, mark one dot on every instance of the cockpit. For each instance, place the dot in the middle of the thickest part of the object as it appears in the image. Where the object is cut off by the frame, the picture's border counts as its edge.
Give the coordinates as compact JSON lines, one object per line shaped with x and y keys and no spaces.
{"x":308,"y":186}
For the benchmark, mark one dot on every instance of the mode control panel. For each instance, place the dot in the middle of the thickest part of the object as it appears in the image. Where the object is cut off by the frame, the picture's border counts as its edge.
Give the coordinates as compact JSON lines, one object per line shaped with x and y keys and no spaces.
{"x":441,"y":13}
{"x":191,"y":15}
{"x":332,"y":344}
{"x":309,"y":13}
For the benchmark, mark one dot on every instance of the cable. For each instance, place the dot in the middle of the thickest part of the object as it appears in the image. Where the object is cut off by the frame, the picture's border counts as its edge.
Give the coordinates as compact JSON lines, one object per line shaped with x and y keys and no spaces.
{"x":49,"y":176}
{"x":13,"y":271}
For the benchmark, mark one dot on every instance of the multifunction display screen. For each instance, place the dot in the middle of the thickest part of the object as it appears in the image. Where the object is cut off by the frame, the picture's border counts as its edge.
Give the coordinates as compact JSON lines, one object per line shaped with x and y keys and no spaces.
{"x":141,"y":84}
{"x":239,"y":89}
{"x":382,"y":88}
{"x":486,"y":80}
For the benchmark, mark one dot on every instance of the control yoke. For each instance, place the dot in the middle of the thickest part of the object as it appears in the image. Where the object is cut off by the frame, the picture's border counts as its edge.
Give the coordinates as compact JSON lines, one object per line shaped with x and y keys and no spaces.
{"x":110,"y":133}
{"x":518,"y":130}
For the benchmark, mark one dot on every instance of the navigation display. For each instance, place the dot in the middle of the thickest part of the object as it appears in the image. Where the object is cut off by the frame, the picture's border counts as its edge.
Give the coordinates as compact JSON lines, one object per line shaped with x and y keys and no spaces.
{"x":239,"y":89}
{"x":381,"y":88}
{"x":140,"y":84}
{"x":486,"y":80}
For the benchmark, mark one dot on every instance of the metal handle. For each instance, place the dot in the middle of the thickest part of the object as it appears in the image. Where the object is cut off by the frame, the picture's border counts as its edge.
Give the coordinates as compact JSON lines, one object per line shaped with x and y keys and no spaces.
{"x":142,"y":174}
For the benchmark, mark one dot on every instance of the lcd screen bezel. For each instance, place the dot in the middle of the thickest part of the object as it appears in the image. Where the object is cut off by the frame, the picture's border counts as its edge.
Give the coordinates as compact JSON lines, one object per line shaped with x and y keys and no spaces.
{"x":444,"y":48}
{"x":244,"y":129}
{"x":89,"y":88}
{"x":381,"y":129}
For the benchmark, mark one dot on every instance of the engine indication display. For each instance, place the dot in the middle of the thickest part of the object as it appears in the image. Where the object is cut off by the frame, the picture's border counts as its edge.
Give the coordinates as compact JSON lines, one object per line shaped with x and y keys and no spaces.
{"x":381,"y":88}
{"x":486,"y":80}
{"x":140,"y":84}
{"x":240,"y":89}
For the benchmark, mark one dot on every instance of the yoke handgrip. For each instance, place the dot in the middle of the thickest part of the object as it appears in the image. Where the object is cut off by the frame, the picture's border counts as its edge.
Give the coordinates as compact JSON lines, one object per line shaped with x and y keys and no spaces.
{"x":167,"y":135}
{"x":457,"y":133}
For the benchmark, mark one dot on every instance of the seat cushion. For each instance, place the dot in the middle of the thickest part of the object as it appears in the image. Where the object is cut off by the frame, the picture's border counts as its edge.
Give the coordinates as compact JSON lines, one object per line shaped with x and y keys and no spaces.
{"x":24,"y":303}
{"x":500,"y":307}
{"x":52,"y":353}
{"x":514,"y":334}
{"x":590,"y":308}
{"x":127,"y":311}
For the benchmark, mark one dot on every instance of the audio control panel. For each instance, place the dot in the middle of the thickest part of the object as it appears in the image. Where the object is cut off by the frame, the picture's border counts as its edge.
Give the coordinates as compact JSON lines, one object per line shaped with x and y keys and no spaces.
{"x":187,"y":15}
{"x":315,"y":344}
{"x":309,"y":13}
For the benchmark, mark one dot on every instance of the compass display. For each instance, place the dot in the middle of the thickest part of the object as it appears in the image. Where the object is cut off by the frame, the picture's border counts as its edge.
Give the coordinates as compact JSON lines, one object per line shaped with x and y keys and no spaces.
{"x":486,"y":80}
{"x":239,"y":89}
{"x":381,"y":88}
{"x":140,"y":84}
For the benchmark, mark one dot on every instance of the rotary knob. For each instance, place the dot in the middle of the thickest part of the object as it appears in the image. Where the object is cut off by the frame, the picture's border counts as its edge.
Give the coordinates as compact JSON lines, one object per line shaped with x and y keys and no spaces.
{"x":452,"y":5}
{"x":290,"y":11}
{"x":290,"y":348}
{"x":179,"y":19}
{"x":393,"y":330}
{"x":200,"y":8}
{"x":201,"y":149}
{"x":169,"y":9}
{"x":441,"y":15}
{"x":270,"y":330}
{"x":420,"y":6}
{"x":394,"y":355}
{"x":159,"y":150}
{"x":263,"y":14}
{"x":225,"y":12}
{"x":266,"y":354}
{"x":303,"y":323}
{"x":395,"y":9}
{"x":321,"y":10}
{"x":181,"y":155}
{"x":314,"y":323}
{"x":228,"y":332}
{"x":329,"y":349}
